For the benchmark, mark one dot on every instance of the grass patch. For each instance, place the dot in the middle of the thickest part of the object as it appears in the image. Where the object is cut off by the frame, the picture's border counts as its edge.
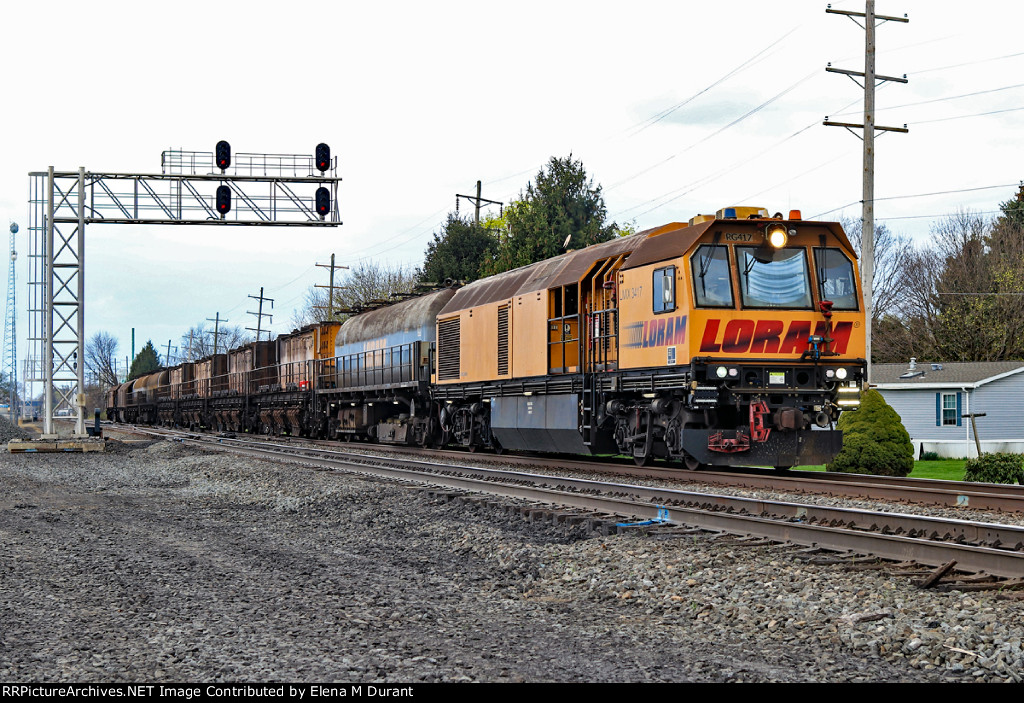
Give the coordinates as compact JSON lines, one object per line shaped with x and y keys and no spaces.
{"x":942,"y":469}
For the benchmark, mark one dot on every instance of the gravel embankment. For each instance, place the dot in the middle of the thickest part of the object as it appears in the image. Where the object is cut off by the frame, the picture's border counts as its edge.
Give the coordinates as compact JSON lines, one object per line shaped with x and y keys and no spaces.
{"x":165,"y":563}
{"x":9,"y":432}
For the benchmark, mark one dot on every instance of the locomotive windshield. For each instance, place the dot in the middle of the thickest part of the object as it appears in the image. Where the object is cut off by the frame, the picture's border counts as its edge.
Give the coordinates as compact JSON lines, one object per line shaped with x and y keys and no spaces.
{"x":783,"y":282}
{"x":835,"y":274}
{"x":711,"y":280}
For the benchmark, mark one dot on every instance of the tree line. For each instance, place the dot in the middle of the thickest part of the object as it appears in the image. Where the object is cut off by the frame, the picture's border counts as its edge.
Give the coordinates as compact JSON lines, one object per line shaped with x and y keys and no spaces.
{"x":959,"y":296}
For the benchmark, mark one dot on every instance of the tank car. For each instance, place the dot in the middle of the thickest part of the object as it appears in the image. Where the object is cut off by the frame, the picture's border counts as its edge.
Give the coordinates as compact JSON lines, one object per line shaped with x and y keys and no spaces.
{"x":377,"y":386}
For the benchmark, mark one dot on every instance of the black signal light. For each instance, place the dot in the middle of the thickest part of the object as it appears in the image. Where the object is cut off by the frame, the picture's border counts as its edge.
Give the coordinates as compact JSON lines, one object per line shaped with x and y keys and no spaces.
{"x":223,"y":155}
{"x":323,"y":157}
{"x":323,"y":202}
{"x":223,"y":200}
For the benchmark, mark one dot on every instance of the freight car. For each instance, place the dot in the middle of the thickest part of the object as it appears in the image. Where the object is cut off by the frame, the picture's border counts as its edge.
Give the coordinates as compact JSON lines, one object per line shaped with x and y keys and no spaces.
{"x":736,"y":338}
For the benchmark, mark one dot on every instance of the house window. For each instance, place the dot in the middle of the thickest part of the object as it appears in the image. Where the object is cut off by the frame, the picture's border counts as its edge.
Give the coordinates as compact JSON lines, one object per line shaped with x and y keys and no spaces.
{"x":950,"y":416}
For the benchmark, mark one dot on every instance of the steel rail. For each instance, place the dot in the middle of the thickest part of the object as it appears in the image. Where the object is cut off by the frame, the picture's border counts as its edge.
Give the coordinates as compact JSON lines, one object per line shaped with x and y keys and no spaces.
{"x":969,"y":557}
{"x":920,"y":491}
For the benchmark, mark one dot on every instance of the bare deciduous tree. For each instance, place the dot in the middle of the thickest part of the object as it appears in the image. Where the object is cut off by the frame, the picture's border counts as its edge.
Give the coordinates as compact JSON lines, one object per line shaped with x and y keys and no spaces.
{"x":892,"y":252}
{"x":198,"y":341}
{"x":363,"y":285}
{"x":100,"y":359}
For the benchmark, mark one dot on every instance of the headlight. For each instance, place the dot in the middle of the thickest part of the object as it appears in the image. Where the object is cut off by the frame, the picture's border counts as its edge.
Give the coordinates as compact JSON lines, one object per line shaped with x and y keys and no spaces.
{"x":841,"y":374}
{"x":721,"y":372}
{"x":830,"y":373}
{"x":777,"y":236}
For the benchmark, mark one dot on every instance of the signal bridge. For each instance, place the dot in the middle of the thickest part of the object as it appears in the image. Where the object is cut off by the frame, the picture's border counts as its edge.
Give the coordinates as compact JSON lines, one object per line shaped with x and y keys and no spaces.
{"x":289,"y":190}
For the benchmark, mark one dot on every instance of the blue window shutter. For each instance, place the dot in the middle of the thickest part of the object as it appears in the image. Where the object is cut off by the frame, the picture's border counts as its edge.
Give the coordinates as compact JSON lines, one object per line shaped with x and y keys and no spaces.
{"x":959,"y":420}
{"x":938,"y":410}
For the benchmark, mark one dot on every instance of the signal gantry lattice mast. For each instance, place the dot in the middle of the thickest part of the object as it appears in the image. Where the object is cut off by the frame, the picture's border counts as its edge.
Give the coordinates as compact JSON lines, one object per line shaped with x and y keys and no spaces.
{"x":10,"y":350}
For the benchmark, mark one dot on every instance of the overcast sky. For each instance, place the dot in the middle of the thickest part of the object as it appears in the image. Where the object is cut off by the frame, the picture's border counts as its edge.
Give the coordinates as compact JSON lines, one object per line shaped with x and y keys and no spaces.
{"x":420,"y":100}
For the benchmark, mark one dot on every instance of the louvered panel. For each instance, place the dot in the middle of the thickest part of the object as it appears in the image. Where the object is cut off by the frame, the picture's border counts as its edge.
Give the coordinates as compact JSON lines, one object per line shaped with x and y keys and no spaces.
{"x":449,"y":339}
{"x":503,"y":340}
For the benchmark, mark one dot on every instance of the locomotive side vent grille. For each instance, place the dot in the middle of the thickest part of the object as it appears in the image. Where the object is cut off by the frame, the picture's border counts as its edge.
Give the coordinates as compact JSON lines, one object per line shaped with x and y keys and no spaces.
{"x":503,"y":340}
{"x":449,"y":333}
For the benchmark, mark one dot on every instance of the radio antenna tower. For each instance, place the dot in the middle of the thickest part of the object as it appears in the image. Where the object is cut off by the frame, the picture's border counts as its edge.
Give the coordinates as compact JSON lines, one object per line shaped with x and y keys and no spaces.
{"x":10,"y":351}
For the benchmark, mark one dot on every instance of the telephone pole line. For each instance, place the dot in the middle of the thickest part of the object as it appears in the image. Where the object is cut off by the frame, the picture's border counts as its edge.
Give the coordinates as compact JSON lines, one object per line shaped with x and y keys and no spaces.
{"x":330,"y":295}
{"x":260,"y":315}
{"x":216,"y":329}
{"x":867,"y":244}
{"x":478,"y":200}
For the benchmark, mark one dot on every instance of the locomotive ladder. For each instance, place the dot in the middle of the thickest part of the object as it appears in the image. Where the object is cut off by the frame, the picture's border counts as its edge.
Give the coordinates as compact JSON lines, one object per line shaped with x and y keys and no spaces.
{"x":589,"y":403}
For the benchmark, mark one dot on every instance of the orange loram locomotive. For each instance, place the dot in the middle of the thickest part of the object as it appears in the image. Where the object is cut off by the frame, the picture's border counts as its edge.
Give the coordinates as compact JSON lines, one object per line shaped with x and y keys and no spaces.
{"x":734,"y":339}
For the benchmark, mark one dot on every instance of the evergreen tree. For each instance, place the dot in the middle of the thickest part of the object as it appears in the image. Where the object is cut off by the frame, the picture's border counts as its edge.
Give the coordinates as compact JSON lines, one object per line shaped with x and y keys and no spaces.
{"x":146,"y":361}
{"x":563,"y":211}
{"x":457,"y":252}
{"x":874,"y":440}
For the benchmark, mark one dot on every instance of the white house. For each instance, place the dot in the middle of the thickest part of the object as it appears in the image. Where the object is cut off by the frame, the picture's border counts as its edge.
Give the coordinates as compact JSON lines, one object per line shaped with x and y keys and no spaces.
{"x":932,"y":400}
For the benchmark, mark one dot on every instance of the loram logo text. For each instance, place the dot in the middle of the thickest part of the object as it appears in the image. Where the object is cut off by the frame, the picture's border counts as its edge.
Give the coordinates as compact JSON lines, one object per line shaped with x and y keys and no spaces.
{"x":659,"y":332}
{"x":769,"y":336}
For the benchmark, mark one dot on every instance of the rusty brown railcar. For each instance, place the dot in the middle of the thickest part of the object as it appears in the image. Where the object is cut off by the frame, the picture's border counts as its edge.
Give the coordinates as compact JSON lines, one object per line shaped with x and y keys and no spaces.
{"x":211,"y":375}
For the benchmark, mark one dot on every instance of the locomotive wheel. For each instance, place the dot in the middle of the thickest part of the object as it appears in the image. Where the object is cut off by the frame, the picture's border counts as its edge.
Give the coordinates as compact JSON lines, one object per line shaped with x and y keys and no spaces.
{"x":692,"y":463}
{"x":645,"y":460}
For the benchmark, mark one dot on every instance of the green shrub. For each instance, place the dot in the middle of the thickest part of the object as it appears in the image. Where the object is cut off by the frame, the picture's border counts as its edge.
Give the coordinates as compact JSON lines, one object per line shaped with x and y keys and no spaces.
{"x":874,"y":440}
{"x":929,"y":456}
{"x":995,"y":468}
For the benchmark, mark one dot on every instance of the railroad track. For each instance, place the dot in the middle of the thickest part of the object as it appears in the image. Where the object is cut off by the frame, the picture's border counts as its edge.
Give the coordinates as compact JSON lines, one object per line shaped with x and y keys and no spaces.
{"x":990,"y":550}
{"x":916,"y":491}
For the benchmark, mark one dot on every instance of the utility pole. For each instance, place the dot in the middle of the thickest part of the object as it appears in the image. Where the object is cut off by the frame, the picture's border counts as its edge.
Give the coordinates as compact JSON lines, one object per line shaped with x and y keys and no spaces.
{"x":867,"y":244}
{"x":477,"y":201}
{"x":974,"y":427}
{"x":167,"y":356}
{"x":260,"y":315}
{"x":330,"y":296}
{"x":216,"y":329}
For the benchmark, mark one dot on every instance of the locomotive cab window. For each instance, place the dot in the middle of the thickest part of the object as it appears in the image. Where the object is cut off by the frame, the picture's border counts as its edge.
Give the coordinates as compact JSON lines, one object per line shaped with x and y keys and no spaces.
{"x":783,"y":282}
{"x":712,"y":285}
{"x":835,"y":279}
{"x":665,"y":289}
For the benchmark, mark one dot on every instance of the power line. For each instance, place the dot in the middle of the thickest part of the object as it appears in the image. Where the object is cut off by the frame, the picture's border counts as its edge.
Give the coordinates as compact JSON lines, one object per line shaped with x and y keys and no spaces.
{"x":939,"y":100}
{"x":753,"y":60}
{"x":918,"y":195}
{"x":968,"y":63}
{"x":963,"y":117}
{"x":944,"y":214}
{"x":714,"y":134}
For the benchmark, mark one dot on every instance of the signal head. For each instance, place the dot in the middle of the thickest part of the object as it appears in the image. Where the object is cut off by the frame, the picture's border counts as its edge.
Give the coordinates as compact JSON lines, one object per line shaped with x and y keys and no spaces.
{"x":323,"y":202}
{"x":323,"y":157}
{"x":222,"y":155}
{"x":223,"y":200}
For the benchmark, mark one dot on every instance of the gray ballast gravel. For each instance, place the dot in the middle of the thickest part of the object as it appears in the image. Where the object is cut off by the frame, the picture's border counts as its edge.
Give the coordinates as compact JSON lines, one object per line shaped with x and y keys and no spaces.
{"x":166,"y":563}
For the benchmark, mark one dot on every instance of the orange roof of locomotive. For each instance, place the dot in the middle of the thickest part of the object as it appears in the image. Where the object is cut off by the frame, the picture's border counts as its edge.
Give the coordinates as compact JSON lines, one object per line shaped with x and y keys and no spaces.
{"x":648,"y":246}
